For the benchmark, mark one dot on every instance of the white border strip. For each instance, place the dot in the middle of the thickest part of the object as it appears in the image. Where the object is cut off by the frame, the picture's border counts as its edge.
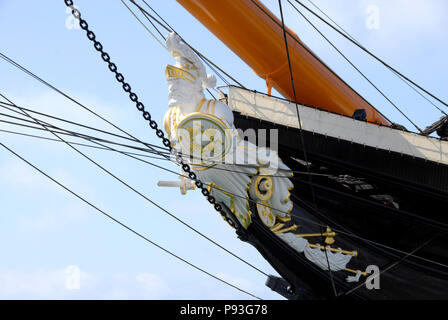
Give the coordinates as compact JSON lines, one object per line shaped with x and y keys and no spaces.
{"x":314,"y":120}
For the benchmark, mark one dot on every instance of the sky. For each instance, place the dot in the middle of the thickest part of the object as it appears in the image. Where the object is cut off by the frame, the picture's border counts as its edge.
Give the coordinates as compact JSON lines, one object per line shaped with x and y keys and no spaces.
{"x":48,"y":237}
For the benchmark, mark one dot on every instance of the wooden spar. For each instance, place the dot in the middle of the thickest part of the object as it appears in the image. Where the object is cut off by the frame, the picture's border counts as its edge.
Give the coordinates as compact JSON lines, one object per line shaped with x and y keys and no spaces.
{"x":258,"y":40}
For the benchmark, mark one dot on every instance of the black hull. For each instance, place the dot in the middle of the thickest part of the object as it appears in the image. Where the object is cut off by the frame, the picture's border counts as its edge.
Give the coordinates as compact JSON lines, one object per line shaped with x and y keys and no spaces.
{"x":404,"y":210}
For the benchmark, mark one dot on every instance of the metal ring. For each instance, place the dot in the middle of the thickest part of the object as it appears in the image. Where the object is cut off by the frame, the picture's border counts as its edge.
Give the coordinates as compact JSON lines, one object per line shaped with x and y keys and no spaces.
{"x":112,"y":67}
{"x":211,"y":199}
{"x":98,"y":46}
{"x":159,"y":133}
{"x":199,"y":184}
{"x":83,"y":24}
{"x":119,"y":77}
{"x":133,"y":97}
{"x":126,"y":87}
{"x":153,"y":124}
{"x":76,"y":13}
{"x":192,"y":175}
{"x":268,"y":184}
{"x":166,"y":142}
{"x":91,"y":35}
{"x":230,"y":221}
{"x":105,"y":56}
{"x":146,"y":115}
{"x":140,"y":106}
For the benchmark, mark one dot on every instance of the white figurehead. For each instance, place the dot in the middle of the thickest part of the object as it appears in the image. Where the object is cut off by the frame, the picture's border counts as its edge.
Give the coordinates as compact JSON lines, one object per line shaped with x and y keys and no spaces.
{"x":187,"y":80}
{"x":233,"y":184}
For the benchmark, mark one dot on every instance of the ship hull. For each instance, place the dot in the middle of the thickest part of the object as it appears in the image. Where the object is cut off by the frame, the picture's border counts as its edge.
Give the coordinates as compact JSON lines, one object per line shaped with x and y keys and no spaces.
{"x":386,"y":205}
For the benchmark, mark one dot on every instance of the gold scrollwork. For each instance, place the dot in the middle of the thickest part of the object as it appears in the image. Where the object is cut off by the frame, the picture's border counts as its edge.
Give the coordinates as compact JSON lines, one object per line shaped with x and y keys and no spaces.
{"x":266,"y":215}
{"x":264,"y":187}
{"x":245,"y":218}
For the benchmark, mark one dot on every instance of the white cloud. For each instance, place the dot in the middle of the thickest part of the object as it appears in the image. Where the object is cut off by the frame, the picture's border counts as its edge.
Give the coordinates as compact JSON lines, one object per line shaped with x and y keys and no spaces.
{"x":154,"y":287}
{"x":399,"y":20}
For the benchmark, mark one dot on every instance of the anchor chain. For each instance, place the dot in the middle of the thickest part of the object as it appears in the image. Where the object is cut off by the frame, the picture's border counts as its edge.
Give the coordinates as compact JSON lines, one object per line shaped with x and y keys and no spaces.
{"x":146,"y":115}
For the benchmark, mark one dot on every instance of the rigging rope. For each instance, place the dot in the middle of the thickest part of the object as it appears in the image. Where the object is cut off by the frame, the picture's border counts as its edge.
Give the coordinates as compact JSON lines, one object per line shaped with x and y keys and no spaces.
{"x":147,"y":116}
{"x":126,"y":226}
{"x":350,"y":234}
{"x":95,"y":140}
{"x":302,"y":141}
{"x":374,"y":56}
{"x":139,"y":193}
{"x":340,"y":231}
{"x":144,"y":26}
{"x":424,"y":244}
{"x":15,"y":64}
{"x":356,"y":68}
{"x":300,"y":44}
{"x":395,"y":73}
{"x":78,"y":144}
{"x":84,"y":136}
{"x":28,"y":72}
{"x":77,"y":135}
{"x":2,"y":104}
{"x":169,"y":28}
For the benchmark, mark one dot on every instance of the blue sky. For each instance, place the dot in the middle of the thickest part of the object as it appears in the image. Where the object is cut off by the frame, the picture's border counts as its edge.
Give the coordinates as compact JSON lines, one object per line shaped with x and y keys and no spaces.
{"x":44,"y":230}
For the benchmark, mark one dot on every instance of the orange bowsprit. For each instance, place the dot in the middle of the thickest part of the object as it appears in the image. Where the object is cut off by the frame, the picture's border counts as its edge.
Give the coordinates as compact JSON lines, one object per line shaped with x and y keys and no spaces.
{"x":259,"y":41}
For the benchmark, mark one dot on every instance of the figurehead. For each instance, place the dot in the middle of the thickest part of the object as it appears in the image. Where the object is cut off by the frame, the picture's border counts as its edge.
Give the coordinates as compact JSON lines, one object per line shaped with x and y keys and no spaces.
{"x":188,"y":61}
{"x":187,"y":78}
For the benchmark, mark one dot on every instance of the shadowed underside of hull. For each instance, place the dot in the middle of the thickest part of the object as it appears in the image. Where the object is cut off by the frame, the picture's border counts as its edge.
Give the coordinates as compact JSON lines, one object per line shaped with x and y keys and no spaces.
{"x":408,"y":278}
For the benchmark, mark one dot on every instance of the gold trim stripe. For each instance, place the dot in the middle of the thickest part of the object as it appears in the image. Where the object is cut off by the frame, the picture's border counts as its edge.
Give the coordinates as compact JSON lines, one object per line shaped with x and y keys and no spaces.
{"x":175,"y":72}
{"x":198,"y":108}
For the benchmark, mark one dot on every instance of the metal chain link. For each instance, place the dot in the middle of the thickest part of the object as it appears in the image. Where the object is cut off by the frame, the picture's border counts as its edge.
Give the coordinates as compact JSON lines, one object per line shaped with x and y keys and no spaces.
{"x":146,"y":115}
